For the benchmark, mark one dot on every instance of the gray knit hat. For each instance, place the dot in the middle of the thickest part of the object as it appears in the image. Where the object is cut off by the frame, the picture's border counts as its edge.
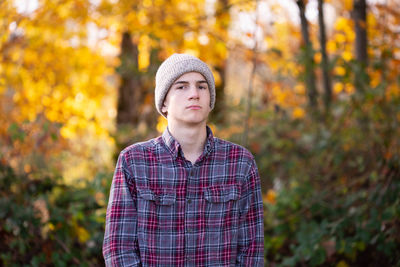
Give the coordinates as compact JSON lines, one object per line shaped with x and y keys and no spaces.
{"x":174,"y":67}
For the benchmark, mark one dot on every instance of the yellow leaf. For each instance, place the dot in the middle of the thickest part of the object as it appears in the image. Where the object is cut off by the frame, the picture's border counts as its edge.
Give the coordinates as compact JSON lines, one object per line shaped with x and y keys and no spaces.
{"x":2,"y":85}
{"x":31,"y":57}
{"x":162,"y":124}
{"x":331,"y":47}
{"x":83,"y":234}
{"x":348,"y":4}
{"x":270,"y":197}
{"x":281,"y":97}
{"x":213,"y":127}
{"x":349,"y":88}
{"x":371,"y":20}
{"x":217,"y":78}
{"x":27,"y":168}
{"x":340,"y":38}
{"x":192,"y":52}
{"x":342,"y":264}
{"x":340,"y":24}
{"x":144,"y":52}
{"x":375,"y":79}
{"x":300,"y":89}
{"x":347,"y":56}
{"x":67,"y":132}
{"x":392,"y":91}
{"x":339,"y":70}
{"x":351,"y":36}
{"x":338,"y":88}
{"x":51,"y":226}
{"x":318,"y":57}
{"x":298,"y":113}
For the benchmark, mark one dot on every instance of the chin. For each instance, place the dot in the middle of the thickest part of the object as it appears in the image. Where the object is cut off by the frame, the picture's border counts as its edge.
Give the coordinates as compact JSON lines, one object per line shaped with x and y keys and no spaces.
{"x":197,"y":120}
{"x":194,"y":122}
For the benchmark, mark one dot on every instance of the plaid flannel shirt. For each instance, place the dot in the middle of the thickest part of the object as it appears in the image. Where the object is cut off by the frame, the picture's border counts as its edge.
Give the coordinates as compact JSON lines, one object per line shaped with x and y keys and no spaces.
{"x":165,"y":211}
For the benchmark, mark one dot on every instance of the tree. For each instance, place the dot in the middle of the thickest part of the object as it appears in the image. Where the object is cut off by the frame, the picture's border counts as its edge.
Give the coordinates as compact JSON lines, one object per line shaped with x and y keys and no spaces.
{"x":221,"y":31}
{"x":309,"y":62}
{"x":325,"y":60}
{"x":360,"y":21}
{"x":129,"y":92}
{"x":53,"y":85}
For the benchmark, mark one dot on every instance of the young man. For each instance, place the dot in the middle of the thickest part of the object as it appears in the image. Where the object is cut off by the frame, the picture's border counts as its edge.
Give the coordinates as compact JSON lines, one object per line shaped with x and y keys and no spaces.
{"x":185,"y":198}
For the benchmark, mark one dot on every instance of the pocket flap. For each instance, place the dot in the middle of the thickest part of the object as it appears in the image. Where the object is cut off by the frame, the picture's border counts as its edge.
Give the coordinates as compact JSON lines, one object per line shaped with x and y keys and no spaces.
{"x":159,"y":199}
{"x":221,"y":193}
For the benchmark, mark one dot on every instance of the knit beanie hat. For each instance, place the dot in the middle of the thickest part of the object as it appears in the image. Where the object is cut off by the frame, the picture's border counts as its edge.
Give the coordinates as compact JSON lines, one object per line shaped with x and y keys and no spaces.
{"x":174,"y":67}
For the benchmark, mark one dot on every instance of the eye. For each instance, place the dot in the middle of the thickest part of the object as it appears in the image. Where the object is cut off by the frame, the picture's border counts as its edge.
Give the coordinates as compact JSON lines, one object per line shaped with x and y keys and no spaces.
{"x":202,"y":87}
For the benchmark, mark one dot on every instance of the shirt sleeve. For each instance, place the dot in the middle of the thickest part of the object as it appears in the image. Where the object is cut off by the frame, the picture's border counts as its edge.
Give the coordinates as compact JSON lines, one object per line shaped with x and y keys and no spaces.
{"x":251,"y":224}
{"x":120,"y":245}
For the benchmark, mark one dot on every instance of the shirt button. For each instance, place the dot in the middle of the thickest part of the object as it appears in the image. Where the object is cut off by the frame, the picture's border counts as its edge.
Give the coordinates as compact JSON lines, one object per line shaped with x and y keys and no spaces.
{"x":189,"y":201}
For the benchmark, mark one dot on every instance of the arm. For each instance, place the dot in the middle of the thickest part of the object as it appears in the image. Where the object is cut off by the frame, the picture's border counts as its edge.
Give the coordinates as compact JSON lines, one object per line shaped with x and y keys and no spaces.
{"x":120,"y":245}
{"x":251,"y":224}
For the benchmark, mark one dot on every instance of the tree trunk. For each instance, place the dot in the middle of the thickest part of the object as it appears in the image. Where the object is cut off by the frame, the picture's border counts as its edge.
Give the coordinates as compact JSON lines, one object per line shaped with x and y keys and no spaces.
{"x":129,"y":92}
{"x":309,"y":62}
{"x":219,"y":107}
{"x":360,"y":22}
{"x":149,"y":113}
{"x":222,"y":25}
{"x":325,"y":60}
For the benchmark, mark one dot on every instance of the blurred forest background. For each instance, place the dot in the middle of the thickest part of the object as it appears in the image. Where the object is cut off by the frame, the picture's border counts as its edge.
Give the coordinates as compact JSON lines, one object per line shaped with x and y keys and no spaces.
{"x":312,"y":88}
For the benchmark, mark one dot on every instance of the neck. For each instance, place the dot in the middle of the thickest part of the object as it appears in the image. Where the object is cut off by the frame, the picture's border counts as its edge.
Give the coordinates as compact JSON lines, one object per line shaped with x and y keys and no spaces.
{"x":191,"y":138}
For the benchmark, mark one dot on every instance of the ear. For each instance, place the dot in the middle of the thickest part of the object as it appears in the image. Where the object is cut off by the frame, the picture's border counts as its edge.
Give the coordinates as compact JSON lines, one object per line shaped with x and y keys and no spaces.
{"x":164,"y":108}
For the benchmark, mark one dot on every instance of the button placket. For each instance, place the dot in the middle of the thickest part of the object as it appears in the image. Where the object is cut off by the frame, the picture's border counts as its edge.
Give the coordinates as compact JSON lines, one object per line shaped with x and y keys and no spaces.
{"x":190,"y":237}
{"x":157,"y":199}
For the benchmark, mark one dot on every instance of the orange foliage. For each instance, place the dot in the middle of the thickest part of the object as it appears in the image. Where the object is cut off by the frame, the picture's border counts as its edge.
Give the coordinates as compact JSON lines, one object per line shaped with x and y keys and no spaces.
{"x":53,"y":86}
{"x":270,"y":197}
{"x":54,"y":72}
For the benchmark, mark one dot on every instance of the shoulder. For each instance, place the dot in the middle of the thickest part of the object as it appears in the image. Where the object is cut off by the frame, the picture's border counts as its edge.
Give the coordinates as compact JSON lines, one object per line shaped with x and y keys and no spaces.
{"x":233,"y":152}
{"x":239,"y":160}
{"x":141,"y":149}
{"x":221,"y":144}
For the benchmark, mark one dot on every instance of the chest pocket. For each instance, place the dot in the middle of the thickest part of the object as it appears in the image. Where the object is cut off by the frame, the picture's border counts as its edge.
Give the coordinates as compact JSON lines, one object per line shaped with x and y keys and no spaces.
{"x":221,"y":215}
{"x":163,"y":199}
{"x":154,"y":212}
{"x":221,"y":193}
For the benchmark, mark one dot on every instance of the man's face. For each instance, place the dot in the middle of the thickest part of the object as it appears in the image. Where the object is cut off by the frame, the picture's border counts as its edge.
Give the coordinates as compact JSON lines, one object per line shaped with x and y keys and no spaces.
{"x":188,"y":99}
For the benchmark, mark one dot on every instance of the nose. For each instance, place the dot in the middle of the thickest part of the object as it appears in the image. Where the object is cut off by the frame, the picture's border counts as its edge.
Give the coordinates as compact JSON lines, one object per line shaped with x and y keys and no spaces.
{"x":194,"y":92}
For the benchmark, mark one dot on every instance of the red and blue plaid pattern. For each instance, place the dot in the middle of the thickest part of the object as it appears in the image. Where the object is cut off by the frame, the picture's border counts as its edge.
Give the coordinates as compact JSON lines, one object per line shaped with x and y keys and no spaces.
{"x":165,"y":211}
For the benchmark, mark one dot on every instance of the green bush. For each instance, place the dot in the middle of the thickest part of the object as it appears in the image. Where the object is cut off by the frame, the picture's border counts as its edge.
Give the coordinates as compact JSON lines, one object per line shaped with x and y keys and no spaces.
{"x":46,"y":223}
{"x":337,"y":180}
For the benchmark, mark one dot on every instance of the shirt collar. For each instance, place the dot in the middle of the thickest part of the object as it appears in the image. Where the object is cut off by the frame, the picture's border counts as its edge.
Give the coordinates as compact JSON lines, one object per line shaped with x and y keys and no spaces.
{"x":174,"y":147}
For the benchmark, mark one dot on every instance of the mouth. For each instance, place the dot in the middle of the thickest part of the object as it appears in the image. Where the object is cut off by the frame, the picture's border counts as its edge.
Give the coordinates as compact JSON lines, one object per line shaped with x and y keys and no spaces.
{"x":194,"y":107}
